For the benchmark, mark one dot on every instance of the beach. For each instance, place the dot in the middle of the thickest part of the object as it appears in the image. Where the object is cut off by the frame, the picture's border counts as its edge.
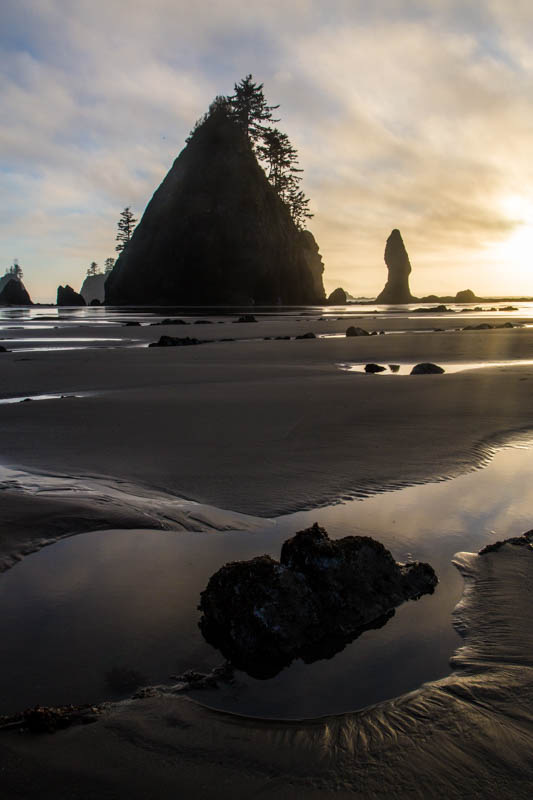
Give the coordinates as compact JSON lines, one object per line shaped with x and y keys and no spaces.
{"x":263,"y":427}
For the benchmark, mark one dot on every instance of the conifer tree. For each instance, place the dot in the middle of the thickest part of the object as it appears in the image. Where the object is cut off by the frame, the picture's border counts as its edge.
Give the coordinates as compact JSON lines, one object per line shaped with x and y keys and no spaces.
{"x":126,"y":226}
{"x":15,"y":270}
{"x":109,"y":263}
{"x":94,"y":269}
{"x":250,"y":109}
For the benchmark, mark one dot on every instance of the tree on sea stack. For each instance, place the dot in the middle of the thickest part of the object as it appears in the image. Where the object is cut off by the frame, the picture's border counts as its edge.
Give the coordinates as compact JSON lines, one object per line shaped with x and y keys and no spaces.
{"x":15,"y":271}
{"x":94,"y":269}
{"x":250,"y":108}
{"x":126,"y":226}
{"x":109,"y":263}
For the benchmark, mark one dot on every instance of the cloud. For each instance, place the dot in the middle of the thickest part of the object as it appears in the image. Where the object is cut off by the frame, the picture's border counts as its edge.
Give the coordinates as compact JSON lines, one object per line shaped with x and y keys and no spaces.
{"x":406,"y":114}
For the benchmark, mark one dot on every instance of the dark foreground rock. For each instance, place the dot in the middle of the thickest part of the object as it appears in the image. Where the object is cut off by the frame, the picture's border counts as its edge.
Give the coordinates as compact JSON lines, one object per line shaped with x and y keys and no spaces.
{"x":399,"y":268}
{"x":353,"y":330}
{"x":49,"y":719}
{"x":319,"y":596}
{"x":427,"y":368}
{"x":526,"y":540}
{"x":66,"y":296}
{"x":14,"y":293}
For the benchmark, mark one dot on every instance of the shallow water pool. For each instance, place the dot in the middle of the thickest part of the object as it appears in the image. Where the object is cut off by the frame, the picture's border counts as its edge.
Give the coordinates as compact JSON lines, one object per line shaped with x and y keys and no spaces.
{"x":76,"y":610}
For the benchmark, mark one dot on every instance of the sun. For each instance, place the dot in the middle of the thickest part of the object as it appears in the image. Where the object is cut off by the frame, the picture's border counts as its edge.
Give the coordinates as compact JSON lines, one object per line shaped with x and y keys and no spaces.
{"x":515,"y":252}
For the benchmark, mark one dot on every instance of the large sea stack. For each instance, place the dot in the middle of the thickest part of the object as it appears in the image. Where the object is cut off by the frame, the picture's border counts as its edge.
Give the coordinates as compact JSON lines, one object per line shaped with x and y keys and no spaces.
{"x":216,"y":232}
{"x":397,"y":287}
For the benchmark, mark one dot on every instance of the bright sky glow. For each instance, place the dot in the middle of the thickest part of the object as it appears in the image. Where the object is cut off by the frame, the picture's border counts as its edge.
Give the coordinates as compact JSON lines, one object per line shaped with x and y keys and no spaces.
{"x":416,"y":115}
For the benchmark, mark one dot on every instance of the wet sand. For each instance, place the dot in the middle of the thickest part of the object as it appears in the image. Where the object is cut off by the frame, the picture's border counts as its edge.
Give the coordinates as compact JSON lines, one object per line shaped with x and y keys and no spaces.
{"x":261,"y":428}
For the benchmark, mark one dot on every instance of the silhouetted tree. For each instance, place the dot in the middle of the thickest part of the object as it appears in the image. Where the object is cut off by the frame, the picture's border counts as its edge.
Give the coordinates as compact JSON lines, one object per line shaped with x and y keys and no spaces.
{"x":15,"y":270}
{"x":249,"y":107}
{"x":109,"y":263}
{"x":126,"y":226}
{"x":94,"y":269}
{"x":281,"y":158}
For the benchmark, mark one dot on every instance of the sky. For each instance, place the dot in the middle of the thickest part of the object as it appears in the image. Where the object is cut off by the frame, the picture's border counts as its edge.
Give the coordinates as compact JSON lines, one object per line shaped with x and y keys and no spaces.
{"x":405,"y":114}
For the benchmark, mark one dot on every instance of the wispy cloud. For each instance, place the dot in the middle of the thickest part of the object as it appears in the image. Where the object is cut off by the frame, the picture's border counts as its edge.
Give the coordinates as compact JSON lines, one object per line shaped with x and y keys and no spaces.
{"x":406,"y":114}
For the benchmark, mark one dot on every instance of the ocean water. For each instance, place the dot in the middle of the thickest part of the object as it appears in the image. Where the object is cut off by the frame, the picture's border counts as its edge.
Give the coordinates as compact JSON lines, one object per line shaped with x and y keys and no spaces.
{"x":92,"y":606}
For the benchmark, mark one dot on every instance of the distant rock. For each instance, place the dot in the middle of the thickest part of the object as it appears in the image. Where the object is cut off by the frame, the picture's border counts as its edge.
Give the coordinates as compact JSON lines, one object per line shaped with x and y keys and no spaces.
{"x":168,"y":321}
{"x":3,"y":349}
{"x":442,"y":309}
{"x":321,"y":594}
{"x":246,"y":318}
{"x":427,"y":369}
{"x":374,"y":368}
{"x":95,"y":302}
{"x":14,"y":293}
{"x":338,"y":297}
{"x":397,"y":287}
{"x":93,"y":288}
{"x":66,"y":296}
{"x":355,"y":331}
{"x":465,"y":296}
{"x":394,"y":367}
{"x":309,"y":335}
{"x":483,"y":326}
{"x":216,"y":232}
{"x":175,"y":341}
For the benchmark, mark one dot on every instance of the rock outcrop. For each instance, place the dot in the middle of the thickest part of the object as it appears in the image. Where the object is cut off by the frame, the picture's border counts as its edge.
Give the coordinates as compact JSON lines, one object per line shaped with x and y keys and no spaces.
{"x":397,"y":287}
{"x":320,"y":595}
{"x":466,"y":296}
{"x":14,"y":293}
{"x":427,"y":368}
{"x":93,"y":288}
{"x":66,"y":296}
{"x":338,"y":297}
{"x":216,"y":232}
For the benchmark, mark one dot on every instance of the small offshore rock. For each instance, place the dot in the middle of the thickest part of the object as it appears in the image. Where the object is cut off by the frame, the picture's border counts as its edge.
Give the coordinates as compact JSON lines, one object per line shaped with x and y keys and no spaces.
{"x":426,"y":369}
{"x":394,"y":367}
{"x":441,"y":309}
{"x":246,"y":318}
{"x":174,"y":341}
{"x":66,"y":296}
{"x":308,"y":335}
{"x":168,"y":321}
{"x":374,"y":368}
{"x":355,"y":331}
{"x":338,"y":297}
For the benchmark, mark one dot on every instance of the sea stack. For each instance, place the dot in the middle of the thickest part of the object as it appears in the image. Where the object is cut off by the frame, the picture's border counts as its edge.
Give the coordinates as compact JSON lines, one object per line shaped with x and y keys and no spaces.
{"x":216,"y":232}
{"x":14,"y":293}
{"x":66,"y":296}
{"x":397,"y":287}
{"x":93,"y":288}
